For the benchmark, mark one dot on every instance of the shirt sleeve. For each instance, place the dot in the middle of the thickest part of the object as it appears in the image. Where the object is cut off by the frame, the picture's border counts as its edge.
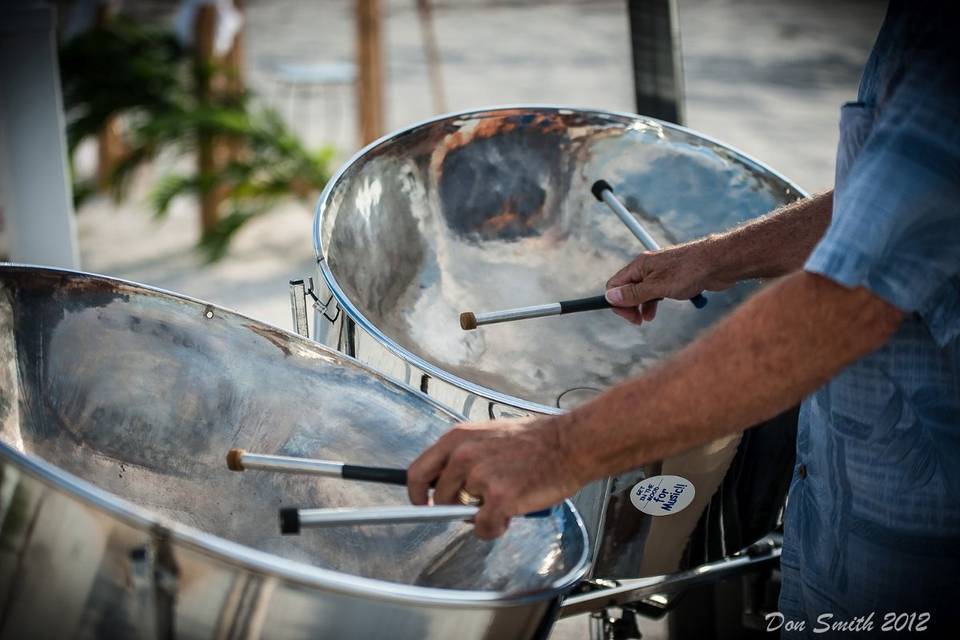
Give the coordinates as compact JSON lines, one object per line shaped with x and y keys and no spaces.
{"x":896,"y":211}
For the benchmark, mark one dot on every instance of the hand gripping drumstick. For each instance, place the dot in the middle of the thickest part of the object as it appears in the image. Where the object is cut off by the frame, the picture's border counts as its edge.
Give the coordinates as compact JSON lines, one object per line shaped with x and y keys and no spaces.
{"x":470,"y":320}
{"x":603,"y":192}
{"x":292,"y":519}
{"x":240,"y":460}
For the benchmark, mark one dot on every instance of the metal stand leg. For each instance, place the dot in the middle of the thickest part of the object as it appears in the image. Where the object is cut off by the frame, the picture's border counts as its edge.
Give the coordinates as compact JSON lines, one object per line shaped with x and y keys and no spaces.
{"x":298,"y":306}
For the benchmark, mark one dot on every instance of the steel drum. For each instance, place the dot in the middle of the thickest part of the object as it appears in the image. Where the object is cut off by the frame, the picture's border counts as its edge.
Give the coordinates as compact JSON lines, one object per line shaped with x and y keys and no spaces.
{"x":119,"y":518}
{"x":492,"y":209}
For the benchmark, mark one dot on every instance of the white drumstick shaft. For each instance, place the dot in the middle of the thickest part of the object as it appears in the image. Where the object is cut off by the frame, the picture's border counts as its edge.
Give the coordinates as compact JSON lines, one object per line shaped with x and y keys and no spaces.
{"x":285,"y":464}
{"x":384,"y":515}
{"x":520,"y":313}
{"x":630,"y":221}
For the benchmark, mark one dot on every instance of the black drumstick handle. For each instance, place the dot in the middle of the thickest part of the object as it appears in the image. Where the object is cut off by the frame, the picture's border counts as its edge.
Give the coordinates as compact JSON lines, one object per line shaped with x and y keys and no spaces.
{"x":699,"y":301}
{"x":383,"y":475}
{"x":584,"y":304}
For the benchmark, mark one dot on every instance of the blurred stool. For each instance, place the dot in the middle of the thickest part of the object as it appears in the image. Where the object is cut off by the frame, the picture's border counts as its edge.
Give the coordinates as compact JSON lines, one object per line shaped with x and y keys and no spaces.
{"x":301,"y":83}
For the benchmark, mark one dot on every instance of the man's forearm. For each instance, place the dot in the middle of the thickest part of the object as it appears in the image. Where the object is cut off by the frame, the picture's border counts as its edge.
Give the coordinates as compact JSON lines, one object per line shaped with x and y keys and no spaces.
{"x":779,"y":346}
{"x":769,"y":247}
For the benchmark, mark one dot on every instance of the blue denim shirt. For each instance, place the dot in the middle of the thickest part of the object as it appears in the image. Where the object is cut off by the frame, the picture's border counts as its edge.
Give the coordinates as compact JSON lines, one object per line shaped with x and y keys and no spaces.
{"x":873,"y":515}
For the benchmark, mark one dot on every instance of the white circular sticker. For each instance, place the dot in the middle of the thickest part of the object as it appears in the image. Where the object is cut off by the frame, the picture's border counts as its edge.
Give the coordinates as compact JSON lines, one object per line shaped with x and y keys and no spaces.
{"x":662,"y":495}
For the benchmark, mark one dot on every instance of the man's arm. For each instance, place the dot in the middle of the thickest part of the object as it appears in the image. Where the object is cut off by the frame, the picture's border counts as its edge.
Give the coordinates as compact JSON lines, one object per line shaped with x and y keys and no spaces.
{"x":768,"y":247}
{"x":774,"y":350}
{"x":764,"y":357}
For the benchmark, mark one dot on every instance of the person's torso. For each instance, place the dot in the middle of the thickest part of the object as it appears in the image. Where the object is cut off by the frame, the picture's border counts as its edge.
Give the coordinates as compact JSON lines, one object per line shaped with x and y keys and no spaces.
{"x":881,"y":441}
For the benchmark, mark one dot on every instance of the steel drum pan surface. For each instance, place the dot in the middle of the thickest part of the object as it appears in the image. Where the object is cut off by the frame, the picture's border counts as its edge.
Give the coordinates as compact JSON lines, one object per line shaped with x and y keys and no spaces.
{"x":492,"y":209}
{"x":120,"y":519}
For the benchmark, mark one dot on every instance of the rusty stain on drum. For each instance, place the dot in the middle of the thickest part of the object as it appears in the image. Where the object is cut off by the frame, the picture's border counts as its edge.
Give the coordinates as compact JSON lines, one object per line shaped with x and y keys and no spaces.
{"x":493,"y":180}
{"x":274,"y":336}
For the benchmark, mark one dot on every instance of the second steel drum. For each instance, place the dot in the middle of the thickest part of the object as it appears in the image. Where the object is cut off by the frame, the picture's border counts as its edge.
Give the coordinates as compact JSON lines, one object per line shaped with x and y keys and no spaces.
{"x":119,"y":518}
{"x":492,"y":209}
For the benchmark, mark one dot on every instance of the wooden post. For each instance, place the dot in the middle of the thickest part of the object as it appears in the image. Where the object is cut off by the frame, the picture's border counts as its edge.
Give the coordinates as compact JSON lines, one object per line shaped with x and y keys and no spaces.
{"x":216,"y":77}
{"x":234,"y":60}
{"x":110,"y":150}
{"x":432,"y":50}
{"x":235,"y":83}
{"x":110,"y":145}
{"x":370,"y":66}
{"x":204,"y":31}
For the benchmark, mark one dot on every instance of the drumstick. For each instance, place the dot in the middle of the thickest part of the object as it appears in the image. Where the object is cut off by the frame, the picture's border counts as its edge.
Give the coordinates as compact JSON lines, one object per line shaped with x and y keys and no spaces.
{"x":470,"y":320}
{"x":603,"y":192}
{"x":293,"y":519}
{"x":240,"y":460}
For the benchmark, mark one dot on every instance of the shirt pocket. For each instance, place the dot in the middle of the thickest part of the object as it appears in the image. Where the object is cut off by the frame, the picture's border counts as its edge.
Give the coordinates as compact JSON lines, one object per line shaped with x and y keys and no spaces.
{"x":856,"y":123}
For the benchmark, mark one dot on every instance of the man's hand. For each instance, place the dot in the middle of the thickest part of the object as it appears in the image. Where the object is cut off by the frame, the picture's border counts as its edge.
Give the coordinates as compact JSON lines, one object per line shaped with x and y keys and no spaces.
{"x":514,"y":466}
{"x":679,"y":272}
{"x":767,"y":247}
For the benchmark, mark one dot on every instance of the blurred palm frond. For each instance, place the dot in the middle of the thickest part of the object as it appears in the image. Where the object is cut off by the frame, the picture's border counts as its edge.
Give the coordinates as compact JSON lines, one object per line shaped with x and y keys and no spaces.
{"x":146,"y":77}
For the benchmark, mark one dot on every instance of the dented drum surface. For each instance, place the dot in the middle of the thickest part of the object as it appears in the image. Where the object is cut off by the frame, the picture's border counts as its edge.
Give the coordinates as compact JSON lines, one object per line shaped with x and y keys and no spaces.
{"x":492,"y":209}
{"x":119,"y":518}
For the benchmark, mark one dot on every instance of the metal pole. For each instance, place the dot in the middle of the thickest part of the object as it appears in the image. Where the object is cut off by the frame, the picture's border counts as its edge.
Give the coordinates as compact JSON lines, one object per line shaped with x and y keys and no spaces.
{"x":37,"y":199}
{"x":657,"y":62}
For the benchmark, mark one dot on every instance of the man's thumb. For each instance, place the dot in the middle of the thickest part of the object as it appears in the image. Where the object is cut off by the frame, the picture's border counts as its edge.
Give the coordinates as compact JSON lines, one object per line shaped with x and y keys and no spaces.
{"x":629,"y":295}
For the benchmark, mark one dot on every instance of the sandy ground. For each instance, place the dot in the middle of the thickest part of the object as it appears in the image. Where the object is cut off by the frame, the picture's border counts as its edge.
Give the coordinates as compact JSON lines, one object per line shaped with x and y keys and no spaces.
{"x":766,"y":77}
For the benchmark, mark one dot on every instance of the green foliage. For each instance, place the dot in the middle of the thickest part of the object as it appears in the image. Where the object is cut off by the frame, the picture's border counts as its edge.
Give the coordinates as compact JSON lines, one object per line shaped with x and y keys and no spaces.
{"x":118,"y":69}
{"x":145,"y":76}
{"x":170,"y":187}
{"x":214,"y":243}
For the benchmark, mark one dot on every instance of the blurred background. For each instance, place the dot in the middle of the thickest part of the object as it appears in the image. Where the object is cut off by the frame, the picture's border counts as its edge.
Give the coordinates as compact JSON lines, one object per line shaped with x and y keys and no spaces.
{"x":200,"y":133}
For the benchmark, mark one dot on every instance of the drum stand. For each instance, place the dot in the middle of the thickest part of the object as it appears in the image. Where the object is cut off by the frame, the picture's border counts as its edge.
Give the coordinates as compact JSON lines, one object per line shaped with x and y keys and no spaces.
{"x":654,"y":597}
{"x":299,"y":291}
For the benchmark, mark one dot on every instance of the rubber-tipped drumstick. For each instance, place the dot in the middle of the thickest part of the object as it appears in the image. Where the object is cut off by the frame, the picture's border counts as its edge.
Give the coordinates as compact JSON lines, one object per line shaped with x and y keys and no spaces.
{"x":293,"y":519}
{"x":603,"y":192}
{"x":470,"y":320}
{"x":240,"y":460}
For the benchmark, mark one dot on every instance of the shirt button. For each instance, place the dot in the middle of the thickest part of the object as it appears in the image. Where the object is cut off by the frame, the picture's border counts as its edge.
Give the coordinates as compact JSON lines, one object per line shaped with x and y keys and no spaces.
{"x":802,"y":471}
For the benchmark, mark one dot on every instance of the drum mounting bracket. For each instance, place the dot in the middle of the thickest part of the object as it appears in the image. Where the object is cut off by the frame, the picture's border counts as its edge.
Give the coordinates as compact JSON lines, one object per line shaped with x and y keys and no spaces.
{"x":299,"y":291}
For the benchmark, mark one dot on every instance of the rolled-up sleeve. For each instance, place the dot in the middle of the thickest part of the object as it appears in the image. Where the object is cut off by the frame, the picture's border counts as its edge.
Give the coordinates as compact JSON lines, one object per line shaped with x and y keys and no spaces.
{"x":896,"y":210}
